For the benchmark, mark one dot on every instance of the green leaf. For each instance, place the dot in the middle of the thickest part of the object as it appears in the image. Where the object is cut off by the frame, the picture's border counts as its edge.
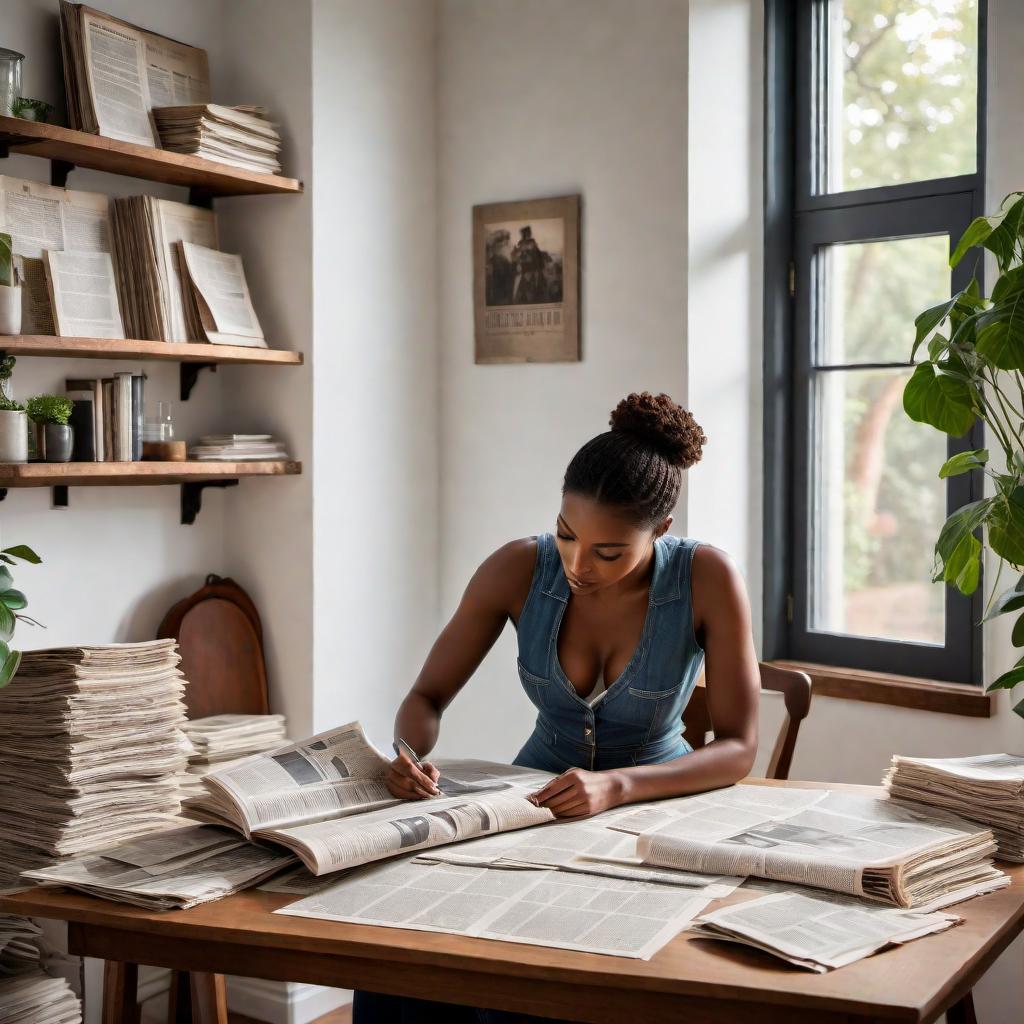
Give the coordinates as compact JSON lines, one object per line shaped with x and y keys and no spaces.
{"x":24,"y":552}
{"x":14,"y":599}
{"x":1008,"y":285}
{"x":1005,"y":532}
{"x":1010,"y":600}
{"x":963,"y":522}
{"x":9,"y":666}
{"x":1018,"y":708}
{"x":7,"y":622}
{"x":6,"y":579}
{"x":936,"y":347}
{"x":1001,"y":335}
{"x":977,"y":232}
{"x":1003,"y":239}
{"x":963,"y":462}
{"x":936,"y":398}
{"x":1017,"y":636}
{"x":1008,"y":680}
{"x":963,"y":567}
{"x":927,"y":321}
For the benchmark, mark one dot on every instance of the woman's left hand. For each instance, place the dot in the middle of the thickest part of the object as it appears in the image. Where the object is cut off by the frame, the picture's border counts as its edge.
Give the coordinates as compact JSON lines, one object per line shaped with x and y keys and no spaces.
{"x":578,"y":793}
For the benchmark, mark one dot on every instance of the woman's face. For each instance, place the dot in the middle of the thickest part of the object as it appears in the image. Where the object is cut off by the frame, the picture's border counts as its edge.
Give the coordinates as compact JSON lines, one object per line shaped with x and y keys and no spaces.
{"x":597,"y":547}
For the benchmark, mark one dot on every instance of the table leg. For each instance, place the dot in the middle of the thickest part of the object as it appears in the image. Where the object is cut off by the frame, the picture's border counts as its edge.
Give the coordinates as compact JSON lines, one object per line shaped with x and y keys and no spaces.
{"x":179,"y":1003}
{"x":962,"y":1011}
{"x":120,"y":992}
{"x":209,"y":998}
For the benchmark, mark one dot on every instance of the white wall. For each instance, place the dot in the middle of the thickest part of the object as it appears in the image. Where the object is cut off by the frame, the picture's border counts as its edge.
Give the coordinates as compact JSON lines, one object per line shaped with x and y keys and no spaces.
{"x":375,"y":386}
{"x":543,"y":99}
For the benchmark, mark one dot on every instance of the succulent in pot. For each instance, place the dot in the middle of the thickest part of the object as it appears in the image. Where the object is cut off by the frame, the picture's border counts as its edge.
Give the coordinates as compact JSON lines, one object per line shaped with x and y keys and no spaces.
{"x":55,"y":437}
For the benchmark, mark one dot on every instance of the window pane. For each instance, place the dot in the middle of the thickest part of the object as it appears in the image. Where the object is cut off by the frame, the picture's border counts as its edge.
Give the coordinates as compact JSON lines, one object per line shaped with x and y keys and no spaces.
{"x":871,"y":293}
{"x":877,"y":506}
{"x":902,"y":91}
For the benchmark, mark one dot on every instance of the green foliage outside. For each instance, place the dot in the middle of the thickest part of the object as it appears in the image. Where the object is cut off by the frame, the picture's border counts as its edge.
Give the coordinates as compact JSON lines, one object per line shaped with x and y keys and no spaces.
{"x":49,"y":409}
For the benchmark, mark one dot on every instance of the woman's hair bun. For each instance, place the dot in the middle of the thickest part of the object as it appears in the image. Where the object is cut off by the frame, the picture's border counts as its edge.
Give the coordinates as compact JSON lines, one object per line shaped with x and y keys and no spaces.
{"x":661,"y":424}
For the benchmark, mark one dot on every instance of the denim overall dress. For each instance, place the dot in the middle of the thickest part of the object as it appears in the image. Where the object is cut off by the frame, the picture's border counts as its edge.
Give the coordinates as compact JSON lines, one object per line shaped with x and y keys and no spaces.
{"x":639,"y":718}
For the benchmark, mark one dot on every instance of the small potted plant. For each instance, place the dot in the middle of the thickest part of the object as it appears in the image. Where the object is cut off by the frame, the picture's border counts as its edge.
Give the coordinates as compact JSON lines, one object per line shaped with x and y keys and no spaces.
{"x":54,"y":436}
{"x":10,"y":290}
{"x":13,"y":422}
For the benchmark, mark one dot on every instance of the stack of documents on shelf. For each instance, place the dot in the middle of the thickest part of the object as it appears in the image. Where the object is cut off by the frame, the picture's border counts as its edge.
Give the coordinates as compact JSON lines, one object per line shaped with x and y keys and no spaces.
{"x":151,"y":283}
{"x":115,"y":73}
{"x":238,"y":448}
{"x":986,"y":788}
{"x":19,"y":945}
{"x":74,"y":227}
{"x":921,"y":858}
{"x":326,"y":799}
{"x":169,"y":870}
{"x":223,"y":741}
{"x":36,"y":998}
{"x":614,"y":916}
{"x":218,"y":307}
{"x":815,"y":930}
{"x":92,"y":750}
{"x":239,"y":136}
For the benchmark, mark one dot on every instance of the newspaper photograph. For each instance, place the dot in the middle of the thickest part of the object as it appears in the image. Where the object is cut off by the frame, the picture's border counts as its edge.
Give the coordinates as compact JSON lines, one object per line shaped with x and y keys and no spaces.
{"x":855,"y":845}
{"x":615,"y":917}
{"x":820,"y":931}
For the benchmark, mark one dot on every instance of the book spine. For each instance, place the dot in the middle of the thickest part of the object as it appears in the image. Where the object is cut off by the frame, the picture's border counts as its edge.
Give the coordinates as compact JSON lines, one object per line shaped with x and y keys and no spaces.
{"x":123,"y":416}
{"x":138,"y":392}
{"x":83,"y":447}
{"x":108,"y":421}
{"x":97,"y":415}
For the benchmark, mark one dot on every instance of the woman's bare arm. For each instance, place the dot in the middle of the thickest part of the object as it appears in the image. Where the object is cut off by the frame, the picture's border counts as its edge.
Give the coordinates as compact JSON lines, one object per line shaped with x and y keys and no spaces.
{"x":722,"y":614}
{"x":496,"y":592}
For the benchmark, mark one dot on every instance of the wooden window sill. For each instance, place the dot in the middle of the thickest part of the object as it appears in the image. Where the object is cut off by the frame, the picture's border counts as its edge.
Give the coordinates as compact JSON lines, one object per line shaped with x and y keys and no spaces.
{"x":897,"y":691}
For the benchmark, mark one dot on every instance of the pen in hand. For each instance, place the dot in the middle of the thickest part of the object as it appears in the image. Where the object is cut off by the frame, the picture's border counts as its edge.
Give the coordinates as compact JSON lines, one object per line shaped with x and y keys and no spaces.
{"x":401,"y":747}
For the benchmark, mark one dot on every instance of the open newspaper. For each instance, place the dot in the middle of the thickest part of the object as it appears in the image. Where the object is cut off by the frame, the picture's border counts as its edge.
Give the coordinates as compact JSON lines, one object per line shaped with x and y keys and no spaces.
{"x":815,"y":930}
{"x":43,"y":218}
{"x":878,"y":849}
{"x":325,"y":798}
{"x":115,"y":73}
{"x":218,"y":307}
{"x":986,"y":788}
{"x":618,"y":917}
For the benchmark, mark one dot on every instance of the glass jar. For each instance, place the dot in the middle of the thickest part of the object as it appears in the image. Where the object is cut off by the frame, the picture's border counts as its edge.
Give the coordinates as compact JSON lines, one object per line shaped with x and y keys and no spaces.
{"x":160,"y":427}
{"x":10,"y":79}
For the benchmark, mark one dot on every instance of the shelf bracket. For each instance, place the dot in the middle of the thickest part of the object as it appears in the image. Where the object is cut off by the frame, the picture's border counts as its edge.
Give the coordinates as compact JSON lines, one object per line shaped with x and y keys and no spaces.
{"x":59,"y":496}
{"x":189,"y":373}
{"x":200,"y":197}
{"x":3,"y":493}
{"x":192,"y":497}
{"x":59,"y":171}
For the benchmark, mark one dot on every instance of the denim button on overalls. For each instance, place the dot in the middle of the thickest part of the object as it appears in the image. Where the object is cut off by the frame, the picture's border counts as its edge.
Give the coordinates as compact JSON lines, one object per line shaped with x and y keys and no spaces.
{"x":639,"y":718}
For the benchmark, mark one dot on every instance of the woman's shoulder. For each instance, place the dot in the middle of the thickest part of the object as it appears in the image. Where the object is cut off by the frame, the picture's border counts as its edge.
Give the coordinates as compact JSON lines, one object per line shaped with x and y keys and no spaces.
{"x":508,"y":571}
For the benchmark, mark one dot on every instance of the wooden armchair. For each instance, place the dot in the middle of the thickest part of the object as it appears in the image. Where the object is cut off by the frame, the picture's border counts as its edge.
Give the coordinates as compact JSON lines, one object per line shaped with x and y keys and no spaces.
{"x":796,"y":690}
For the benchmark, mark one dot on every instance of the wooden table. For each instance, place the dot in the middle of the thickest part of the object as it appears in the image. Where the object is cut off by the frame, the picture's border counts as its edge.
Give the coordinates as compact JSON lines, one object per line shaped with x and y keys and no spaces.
{"x":690,"y":979}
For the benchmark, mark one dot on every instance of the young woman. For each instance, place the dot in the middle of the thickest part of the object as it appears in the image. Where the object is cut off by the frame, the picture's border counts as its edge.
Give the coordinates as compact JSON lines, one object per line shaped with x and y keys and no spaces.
{"x":615,"y":619}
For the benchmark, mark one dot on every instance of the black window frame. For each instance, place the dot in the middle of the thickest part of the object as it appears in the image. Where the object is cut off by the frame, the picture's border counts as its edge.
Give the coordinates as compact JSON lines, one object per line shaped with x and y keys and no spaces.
{"x":796,"y":222}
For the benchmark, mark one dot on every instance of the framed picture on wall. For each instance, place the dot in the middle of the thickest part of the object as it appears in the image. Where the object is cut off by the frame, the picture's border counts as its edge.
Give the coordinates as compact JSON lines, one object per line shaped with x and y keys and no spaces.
{"x":526,"y":281}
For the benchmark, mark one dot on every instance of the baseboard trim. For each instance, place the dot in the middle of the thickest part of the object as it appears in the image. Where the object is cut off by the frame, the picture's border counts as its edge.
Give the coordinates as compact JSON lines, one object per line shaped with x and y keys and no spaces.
{"x":279,"y":1002}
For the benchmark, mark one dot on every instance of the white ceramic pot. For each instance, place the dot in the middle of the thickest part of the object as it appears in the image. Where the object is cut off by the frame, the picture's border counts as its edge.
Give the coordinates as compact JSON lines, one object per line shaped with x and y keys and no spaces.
{"x":10,"y":309}
{"x":13,"y":437}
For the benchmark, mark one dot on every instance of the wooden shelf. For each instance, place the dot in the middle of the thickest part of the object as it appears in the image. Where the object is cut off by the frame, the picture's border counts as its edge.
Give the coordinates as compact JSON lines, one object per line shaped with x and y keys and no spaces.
{"x":131,"y":348}
{"x":80,"y":149}
{"x":105,"y":474}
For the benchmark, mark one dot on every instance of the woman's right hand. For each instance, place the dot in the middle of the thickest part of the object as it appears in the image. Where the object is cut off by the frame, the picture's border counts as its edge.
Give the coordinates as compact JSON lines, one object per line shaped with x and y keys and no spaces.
{"x":407,"y":782}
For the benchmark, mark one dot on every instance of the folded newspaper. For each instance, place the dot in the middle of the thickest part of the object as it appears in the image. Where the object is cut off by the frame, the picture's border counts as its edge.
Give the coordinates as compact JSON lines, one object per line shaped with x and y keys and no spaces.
{"x":875,"y":848}
{"x":325,"y":798}
{"x":987,"y":788}
{"x":169,"y":870}
{"x":815,"y":930}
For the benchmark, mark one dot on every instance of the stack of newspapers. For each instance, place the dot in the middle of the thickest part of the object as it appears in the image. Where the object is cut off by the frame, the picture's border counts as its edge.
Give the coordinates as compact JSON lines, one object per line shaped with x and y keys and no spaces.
{"x":169,"y":870}
{"x":27,"y":994}
{"x":987,"y":788}
{"x":239,"y":136}
{"x":92,"y":750}
{"x":222,"y":741}
{"x":238,"y":448}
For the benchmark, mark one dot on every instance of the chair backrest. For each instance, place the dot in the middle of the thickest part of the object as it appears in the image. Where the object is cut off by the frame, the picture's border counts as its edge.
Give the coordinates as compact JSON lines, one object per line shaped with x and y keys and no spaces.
{"x":220,"y":640}
{"x":795,"y":688}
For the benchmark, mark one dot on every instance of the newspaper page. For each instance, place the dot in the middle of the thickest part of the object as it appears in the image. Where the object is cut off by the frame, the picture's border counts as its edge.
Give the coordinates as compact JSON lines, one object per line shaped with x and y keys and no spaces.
{"x":116,"y":75}
{"x":83,"y":293}
{"x":820,"y":931}
{"x":174,"y":223}
{"x":41,"y":218}
{"x":327,"y":846}
{"x":854,"y":845}
{"x":221,"y":296}
{"x":542,"y":908}
{"x":176,"y":74}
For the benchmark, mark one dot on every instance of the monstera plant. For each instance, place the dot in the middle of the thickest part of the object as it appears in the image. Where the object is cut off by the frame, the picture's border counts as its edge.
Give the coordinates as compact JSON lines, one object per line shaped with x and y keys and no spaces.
{"x":12,"y":606}
{"x":974,"y":370}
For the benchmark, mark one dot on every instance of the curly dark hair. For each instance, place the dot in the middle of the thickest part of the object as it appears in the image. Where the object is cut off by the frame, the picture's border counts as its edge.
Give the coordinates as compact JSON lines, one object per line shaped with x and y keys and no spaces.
{"x":637,"y":466}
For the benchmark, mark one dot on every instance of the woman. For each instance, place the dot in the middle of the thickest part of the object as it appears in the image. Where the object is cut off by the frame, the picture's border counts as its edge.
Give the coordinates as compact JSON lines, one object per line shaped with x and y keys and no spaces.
{"x":615,"y":619}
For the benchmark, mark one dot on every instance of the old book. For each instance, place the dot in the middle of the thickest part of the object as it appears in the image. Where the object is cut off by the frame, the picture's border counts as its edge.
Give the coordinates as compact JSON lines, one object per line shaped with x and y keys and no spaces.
{"x":94,"y":388}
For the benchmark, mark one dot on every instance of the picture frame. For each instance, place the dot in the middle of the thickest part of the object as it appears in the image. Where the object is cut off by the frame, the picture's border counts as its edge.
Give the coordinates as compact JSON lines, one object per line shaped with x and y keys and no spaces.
{"x":526,"y":281}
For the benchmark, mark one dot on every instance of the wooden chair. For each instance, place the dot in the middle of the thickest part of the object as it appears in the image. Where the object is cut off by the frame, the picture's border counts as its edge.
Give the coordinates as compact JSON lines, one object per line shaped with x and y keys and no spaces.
{"x":796,"y":690}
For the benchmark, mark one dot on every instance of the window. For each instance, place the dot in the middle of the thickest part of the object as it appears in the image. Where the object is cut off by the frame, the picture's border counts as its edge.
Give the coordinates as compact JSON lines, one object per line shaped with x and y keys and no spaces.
{"x":874,"y":115}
